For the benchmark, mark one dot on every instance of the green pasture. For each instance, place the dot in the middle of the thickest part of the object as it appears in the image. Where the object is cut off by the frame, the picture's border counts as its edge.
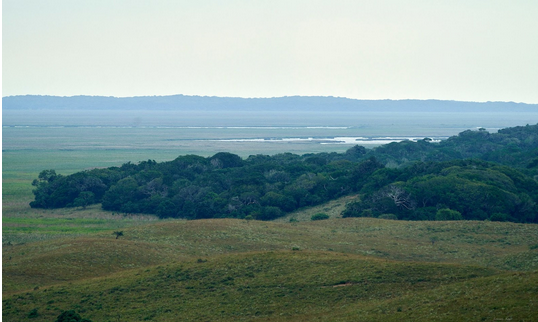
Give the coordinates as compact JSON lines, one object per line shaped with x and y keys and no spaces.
{"x":288,"y":286}
{"x":63,"y":225}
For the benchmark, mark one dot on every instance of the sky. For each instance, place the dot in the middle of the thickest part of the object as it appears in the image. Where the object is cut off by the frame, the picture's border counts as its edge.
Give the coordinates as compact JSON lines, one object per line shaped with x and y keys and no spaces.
{"x":468,"y":50}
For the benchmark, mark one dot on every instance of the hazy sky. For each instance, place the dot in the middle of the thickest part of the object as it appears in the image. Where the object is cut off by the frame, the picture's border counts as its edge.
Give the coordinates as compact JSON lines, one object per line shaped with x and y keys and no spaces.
{"x":473,"y":50}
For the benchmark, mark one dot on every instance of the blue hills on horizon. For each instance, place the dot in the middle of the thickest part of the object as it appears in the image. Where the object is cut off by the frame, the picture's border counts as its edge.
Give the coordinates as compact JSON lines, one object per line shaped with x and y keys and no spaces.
{"x":286,"y":103}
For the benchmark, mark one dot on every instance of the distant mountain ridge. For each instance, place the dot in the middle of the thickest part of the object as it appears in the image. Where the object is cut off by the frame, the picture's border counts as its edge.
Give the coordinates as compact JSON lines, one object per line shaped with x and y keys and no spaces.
{"x":297,"y":103}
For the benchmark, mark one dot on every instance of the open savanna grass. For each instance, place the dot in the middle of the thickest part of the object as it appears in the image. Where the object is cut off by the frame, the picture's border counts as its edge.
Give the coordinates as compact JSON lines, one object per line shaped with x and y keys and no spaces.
{"x":503,"y":297}
{"x":17,"y":194}
{"x":22,"y":224}
{"x":49,"y":263}
{"x":288,"y":286}
{"x":333,"y":209}
{"x":468,"y":242}
{"x":236,"y":287}
{"x":498,"y":245}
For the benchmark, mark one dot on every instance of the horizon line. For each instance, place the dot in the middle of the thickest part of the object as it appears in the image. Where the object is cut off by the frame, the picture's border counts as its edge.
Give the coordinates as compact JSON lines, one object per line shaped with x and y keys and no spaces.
{"x":272,"y":97}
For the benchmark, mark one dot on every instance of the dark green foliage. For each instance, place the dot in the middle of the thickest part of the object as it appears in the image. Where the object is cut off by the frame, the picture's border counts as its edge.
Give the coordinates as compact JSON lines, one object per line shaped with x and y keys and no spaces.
{"x":448,"y":214}
{"x":84,"y":199}
{"x":269,"y":213}
{"x":70,"y":316}
{"x":272,"y":198}
{"x":223,"y":185}
{"x":516,"y":146}
{"x":320,"y":216}
{"x":33,"y":314}
{"x":499,"y":217}
{"x":56,"y":191}
{"x":477,"y":190}
{"x":226,"y":160}
{"x":266,"y":187}
{"x":355,"y":153}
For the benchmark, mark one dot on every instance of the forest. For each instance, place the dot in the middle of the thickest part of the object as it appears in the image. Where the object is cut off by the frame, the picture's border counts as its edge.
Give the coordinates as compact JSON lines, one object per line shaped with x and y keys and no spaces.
{"x":476,"y":175}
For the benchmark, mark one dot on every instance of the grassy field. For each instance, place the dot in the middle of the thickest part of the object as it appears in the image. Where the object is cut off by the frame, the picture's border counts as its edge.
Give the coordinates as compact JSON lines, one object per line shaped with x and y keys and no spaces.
{"x":223,"y":270}
{"x":235,"y":269}
{"x":291,"y":269}
{"x":290,"y":286}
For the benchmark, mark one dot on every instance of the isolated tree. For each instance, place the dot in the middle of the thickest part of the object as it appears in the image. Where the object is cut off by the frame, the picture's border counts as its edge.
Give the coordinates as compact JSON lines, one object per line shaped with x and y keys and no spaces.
{"x":118,"y":234}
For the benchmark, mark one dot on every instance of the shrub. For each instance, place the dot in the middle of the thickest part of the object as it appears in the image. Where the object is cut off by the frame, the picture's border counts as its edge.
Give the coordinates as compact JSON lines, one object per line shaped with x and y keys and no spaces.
{"x":498,"y":217}
{"x":423,"y":213}
{"x":33,"y":314}
{"x":448,"y":214}
{"x":388,"y":216}
{"x":320,"y":216}
{"x":70,"y":316}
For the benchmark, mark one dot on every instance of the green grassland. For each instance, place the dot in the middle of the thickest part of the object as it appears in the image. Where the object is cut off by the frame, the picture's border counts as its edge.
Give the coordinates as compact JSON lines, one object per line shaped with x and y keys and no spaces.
{"x":337,"y":269}
{"x":289,"y":286}
{"x":291,"y":269}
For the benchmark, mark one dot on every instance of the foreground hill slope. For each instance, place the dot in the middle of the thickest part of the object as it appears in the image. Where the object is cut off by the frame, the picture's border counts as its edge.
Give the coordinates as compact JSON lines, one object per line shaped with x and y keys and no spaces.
{"x":505,"y":246}
{"x":288,"y":286}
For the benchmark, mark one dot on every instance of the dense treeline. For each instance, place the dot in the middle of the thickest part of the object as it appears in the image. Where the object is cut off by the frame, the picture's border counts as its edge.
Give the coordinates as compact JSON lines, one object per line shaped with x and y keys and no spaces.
{"x":514,"y":147}
{"x":459,"y":189}
{"x":407,"y":180}
{"x":223,"y":185}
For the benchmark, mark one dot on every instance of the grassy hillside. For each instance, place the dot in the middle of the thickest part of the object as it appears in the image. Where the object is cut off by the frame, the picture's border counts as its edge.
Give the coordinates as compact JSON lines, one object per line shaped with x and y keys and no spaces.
{"x":350,"y":269}
{"x":225,"y":269}
{"x":288,"y":286}
{"x":500,"y":245}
